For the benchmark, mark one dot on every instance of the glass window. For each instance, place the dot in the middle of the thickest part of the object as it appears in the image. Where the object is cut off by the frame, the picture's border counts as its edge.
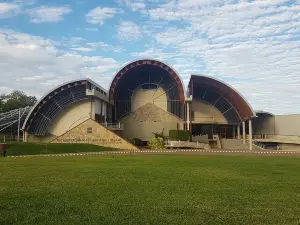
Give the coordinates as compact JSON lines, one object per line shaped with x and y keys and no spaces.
{"x":89,"y":130}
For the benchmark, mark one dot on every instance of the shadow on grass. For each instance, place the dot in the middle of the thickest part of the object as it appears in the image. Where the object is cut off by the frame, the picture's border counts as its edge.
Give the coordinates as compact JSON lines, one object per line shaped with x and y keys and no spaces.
{"x":17,"y":149}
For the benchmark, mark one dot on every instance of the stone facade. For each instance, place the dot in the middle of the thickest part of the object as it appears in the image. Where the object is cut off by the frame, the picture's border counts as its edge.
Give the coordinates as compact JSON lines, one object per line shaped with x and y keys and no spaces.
{"x":151,"y":113}
{"x":91,"y":132}
{"x":148,"y":119}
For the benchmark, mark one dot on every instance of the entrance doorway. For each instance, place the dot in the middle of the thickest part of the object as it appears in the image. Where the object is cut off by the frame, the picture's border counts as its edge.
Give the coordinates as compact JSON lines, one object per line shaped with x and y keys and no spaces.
{"x":223,"y":132}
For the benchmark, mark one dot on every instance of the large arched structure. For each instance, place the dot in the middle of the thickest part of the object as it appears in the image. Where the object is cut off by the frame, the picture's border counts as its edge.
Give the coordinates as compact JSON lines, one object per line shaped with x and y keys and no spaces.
{"x":145,"y":96}
{"x":56,"y":101}
{"x":226,"y":99}
{"x":146,"y":74}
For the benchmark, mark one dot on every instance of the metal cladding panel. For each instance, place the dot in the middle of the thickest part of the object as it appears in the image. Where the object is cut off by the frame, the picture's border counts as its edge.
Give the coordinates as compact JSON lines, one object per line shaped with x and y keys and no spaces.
{"x":242,"y":107}
{"x":125,"y":70}
{"x":46,"y":110}
{"x":143,"y":73}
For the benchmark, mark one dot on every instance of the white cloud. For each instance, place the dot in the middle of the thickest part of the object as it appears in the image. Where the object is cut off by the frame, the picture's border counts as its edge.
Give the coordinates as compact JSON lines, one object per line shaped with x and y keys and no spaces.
{"x":8,"y":9}
{"x":154,"y":53}
{"x":72,"y":42}
{"x":46,"y":14}
{"x":174,"y":36}
{"x":134,"y":5}
{"x":129,"y":31}
{"x":253,"y":45}
{"x":106,"y":47}
{"x":82,"y":49}
{"x":98,"y":15}
{"x":34,"y":64}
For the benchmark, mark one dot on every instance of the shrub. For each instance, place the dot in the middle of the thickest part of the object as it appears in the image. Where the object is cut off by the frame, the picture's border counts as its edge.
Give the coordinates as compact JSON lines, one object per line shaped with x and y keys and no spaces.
{"x":156,"y":143}
{"x":179,"y":135}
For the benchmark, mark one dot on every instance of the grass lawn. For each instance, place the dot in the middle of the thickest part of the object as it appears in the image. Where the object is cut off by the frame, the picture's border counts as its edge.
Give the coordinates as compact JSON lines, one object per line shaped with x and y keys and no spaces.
{"x":36,"y":149}
{"x":159,"y":189}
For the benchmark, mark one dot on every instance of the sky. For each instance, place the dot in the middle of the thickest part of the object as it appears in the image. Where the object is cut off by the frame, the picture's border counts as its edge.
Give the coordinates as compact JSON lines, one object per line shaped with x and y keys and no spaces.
{"x":253,"y":45}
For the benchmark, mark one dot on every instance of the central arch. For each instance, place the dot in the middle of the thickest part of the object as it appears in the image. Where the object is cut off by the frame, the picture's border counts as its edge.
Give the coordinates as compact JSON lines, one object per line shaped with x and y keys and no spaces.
{"x":146,"y":74}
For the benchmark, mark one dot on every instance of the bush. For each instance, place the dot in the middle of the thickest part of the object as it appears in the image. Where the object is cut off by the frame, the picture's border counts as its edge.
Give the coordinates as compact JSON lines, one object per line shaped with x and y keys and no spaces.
{"x":156,"y":143}
{"x":179,"y":135}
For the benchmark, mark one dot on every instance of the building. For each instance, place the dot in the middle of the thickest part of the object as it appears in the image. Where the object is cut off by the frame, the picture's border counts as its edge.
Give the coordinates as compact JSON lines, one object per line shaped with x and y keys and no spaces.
{"x":148,"y":96}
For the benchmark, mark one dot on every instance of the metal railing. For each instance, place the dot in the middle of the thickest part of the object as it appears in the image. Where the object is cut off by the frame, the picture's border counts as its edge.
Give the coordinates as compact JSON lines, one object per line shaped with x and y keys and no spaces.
{"x":113,"y":125}
{"x":276,"y":136}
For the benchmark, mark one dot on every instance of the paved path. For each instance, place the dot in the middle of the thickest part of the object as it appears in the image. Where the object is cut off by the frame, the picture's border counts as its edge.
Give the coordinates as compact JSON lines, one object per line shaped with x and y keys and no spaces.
{"x":172,"y":152}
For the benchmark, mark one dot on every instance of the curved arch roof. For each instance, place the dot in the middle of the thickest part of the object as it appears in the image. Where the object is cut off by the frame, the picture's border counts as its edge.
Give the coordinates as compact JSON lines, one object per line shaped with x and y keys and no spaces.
{"x":51,"y":104}
{"x":226,"y":98}
{"x":143,"y":62}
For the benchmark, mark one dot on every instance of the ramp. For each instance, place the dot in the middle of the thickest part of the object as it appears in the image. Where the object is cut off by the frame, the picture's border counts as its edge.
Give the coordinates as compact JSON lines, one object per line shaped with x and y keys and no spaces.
{"x":187,"y":144}
{"x":235,"y":144}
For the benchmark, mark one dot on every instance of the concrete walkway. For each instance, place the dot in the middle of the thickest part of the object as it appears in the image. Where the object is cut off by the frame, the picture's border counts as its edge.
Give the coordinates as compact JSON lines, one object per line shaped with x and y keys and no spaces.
{"x":172,"y":152}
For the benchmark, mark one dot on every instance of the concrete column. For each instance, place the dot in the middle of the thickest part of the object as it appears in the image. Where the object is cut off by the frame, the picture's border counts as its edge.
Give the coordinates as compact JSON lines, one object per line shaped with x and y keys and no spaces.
{"x":244,"y":132}
{"x":239,"y":131}
{"x":25,"y":136}
{"x":101,"y":110}
{"x":191,"y":109}
{"x":188,"y":116}
{"x":105,"y":111}
{"x":233,"y":132}
{"x":250,"y":134}
{"x":92,"y":112}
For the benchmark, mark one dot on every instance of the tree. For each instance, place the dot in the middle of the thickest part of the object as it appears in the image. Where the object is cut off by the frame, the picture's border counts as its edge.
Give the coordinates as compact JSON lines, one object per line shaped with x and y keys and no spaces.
{"x":2,"y":101}
{"x":15,"y":100}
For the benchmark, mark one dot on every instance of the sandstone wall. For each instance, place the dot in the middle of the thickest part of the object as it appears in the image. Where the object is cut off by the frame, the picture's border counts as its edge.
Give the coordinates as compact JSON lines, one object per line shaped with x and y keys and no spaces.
{"x":90,"y":132}
{"x":148,"y":119}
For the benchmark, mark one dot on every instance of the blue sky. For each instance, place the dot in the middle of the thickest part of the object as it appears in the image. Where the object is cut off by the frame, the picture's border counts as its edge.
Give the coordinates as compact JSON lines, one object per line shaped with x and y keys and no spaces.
{"x":253,"y":45}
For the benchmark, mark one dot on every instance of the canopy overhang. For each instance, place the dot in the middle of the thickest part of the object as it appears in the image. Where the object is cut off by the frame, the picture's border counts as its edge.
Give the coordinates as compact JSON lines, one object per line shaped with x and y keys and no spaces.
{"x":228,"y":100}
{"x":142,"y":73}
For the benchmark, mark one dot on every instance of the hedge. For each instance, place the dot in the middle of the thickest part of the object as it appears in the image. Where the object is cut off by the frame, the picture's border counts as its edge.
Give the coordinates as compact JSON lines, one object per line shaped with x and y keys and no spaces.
{"x":179,"y":135}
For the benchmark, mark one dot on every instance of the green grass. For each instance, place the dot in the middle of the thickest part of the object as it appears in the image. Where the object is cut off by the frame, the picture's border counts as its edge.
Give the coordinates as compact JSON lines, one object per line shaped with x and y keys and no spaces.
{"x":159,"y":189}
{"x":15,"y":149}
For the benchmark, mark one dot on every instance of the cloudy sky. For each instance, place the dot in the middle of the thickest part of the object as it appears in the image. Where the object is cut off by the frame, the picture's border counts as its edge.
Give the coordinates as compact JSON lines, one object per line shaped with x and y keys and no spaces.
{"x":254,"y":45}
